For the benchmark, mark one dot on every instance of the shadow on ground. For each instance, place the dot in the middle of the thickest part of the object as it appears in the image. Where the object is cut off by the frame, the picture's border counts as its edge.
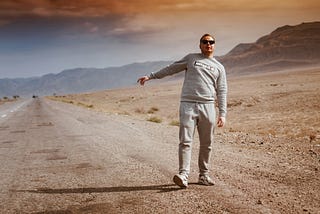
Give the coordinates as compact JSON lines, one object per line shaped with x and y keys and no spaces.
{"x":160,"y":188}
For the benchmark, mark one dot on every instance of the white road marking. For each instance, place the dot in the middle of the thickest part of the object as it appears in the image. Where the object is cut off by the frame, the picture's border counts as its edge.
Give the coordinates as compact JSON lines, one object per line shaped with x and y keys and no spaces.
{"x":12,"y":108}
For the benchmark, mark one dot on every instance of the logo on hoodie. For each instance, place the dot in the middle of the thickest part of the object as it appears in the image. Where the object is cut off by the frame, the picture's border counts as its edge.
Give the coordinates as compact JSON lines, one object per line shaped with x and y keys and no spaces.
{"x":203,"y":65}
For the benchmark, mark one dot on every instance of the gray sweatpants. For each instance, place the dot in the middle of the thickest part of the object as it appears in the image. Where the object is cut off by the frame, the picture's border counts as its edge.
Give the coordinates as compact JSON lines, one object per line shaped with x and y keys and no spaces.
{"x":202,"y":116}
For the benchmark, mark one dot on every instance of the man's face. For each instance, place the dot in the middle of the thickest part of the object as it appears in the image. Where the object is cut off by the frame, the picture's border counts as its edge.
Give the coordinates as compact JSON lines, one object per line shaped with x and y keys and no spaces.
{"x":207,"y":45}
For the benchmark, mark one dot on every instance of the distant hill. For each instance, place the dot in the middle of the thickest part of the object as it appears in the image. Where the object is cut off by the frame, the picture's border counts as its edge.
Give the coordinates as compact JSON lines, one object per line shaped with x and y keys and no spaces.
{"x":285,"y":48}
{"x":78,"y":80}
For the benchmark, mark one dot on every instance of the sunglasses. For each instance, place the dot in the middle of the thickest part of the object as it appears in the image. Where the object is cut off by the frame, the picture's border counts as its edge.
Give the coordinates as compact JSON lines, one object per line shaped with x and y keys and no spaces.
{"x":205,"y":42}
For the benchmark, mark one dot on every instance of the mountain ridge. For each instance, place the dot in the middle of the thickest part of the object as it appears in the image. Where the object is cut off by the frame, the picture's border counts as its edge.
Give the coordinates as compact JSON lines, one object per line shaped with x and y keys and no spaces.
{"x":285,"y":47}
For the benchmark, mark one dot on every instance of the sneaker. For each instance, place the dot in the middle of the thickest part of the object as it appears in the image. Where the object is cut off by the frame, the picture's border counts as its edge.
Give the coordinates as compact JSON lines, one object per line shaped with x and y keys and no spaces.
{"x":205,"y":180}
{"x":181,"y":180}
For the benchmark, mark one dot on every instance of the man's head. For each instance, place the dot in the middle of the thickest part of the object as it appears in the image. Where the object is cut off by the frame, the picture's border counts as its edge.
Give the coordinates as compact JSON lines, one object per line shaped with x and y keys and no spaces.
{"x":207,"y":45}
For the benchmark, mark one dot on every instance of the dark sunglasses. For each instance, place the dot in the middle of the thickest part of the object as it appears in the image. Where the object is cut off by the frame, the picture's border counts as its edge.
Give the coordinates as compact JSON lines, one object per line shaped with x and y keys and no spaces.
{"x":205,"y":42}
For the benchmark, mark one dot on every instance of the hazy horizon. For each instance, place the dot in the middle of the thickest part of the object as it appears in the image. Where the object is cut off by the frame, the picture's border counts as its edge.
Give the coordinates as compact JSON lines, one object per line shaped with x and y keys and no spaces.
{"x":41,"y":37}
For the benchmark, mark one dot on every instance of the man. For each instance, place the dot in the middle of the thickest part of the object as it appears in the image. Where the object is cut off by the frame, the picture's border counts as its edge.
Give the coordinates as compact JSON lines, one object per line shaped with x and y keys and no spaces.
{"x":204,"y":84}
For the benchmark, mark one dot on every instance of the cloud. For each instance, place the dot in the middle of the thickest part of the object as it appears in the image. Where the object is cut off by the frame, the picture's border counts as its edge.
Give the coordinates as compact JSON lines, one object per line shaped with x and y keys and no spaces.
{"x":70,"y":8}
{"x":52,"y":21}
{"x":154,"y":11}
{"x":96,"y":17}
{"x":99,"y":8}
{"x":91,"y":27}
{"x":139,"y":20}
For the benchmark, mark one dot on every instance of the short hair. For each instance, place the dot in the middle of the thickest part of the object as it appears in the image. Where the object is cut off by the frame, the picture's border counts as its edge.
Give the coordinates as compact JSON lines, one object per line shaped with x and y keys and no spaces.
{"x":207,"y":34}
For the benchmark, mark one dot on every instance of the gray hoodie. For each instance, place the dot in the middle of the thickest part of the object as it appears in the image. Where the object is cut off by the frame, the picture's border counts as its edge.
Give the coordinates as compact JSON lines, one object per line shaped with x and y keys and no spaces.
{"x":205,"y":80}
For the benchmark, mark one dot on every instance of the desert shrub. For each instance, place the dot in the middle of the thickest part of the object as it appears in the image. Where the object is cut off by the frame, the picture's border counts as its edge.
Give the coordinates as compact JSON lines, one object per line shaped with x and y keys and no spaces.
{"x":153,"y":110}
{"x":233,"y":103}
{"x":85,"y":105}
{"x":155,"y":119}
{"x":66,"y":101}
{"x":174,"y":123}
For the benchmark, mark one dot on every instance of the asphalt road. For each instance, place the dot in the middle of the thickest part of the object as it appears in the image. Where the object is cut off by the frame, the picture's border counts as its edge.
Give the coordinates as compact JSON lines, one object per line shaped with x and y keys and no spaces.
{"x":56,"y":157}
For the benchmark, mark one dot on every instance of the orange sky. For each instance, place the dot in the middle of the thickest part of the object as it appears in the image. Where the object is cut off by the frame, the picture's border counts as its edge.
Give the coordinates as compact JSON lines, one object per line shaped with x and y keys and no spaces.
{"x":103,"y":7}
{"x":94,"y":33}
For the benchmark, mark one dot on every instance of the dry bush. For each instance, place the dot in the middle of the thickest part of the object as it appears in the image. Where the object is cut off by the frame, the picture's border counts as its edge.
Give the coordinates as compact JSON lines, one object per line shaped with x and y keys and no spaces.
{"x":233,"y":103}
{"x":153,"y":110}
{"x":155,"y":119}
{"x":68,"y":101}
{"x":174,"y":123}
{"x":85,"y":105}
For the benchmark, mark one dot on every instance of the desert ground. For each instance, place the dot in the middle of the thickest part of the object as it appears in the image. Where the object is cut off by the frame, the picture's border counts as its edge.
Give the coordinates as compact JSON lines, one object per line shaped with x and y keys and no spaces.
{"x":115,"y":151}
{"x":279,"y":104}
{"x":273,"y":126}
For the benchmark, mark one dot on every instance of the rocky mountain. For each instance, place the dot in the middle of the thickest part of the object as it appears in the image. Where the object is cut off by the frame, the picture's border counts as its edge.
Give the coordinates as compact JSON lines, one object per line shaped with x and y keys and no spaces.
{"x":285,"y":48}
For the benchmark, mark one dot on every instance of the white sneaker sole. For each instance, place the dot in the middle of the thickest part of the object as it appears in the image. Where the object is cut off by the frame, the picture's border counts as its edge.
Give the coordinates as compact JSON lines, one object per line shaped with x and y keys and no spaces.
{"x":177,"y":180}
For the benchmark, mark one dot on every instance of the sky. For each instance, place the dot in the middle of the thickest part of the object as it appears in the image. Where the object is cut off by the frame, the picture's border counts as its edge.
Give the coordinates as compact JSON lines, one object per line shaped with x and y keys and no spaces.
{"x":38,"y":37}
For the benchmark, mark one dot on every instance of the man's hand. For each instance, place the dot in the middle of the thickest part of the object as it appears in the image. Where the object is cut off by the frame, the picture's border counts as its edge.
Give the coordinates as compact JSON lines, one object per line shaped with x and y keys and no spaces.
{"x":221,"y":121}
{"x":143,"y":79}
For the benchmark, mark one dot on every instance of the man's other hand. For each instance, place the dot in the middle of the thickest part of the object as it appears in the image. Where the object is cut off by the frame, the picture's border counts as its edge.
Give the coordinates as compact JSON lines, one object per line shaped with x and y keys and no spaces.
{"x":221,"y":121}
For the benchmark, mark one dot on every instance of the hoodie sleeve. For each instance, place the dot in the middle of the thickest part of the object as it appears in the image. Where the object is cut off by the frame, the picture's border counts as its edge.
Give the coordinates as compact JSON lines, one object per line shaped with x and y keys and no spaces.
{"x":171,"y":69}
{"x":222,"y":90}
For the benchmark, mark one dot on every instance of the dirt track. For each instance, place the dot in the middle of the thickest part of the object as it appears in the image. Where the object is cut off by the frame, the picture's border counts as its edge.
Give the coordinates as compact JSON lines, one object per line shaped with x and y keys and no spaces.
{"x":60,"y":158}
